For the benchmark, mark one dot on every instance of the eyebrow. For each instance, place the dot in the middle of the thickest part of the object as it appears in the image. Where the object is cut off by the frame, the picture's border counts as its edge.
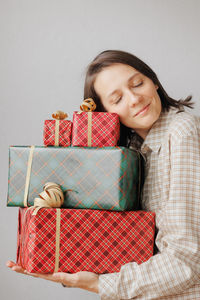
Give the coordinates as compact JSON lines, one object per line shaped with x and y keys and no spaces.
{"x":112,"y":93}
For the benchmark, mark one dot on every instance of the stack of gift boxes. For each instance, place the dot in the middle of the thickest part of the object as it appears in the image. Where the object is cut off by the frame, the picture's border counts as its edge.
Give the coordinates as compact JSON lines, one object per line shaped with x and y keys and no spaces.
{"x":93,"y":186}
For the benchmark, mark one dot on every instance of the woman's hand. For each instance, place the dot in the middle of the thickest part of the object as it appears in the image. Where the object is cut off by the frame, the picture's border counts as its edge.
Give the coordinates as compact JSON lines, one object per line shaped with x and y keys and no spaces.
{"x":84,"y":280}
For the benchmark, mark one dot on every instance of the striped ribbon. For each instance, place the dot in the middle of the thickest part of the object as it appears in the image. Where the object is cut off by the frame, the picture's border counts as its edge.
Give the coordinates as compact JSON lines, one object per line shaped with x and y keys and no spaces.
{"x":89,"y":129}
{"x":57,"y":251}
{"x":28,"y":175}
{"x":57,"y":124}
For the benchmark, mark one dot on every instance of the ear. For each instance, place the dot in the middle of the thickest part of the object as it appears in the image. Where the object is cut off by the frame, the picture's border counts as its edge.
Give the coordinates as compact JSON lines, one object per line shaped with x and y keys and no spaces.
{"x":156,"y":86}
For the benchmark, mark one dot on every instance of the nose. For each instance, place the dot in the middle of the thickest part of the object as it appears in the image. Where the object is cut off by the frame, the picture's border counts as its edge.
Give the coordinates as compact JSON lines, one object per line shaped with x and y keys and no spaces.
{"x":133,"y":99}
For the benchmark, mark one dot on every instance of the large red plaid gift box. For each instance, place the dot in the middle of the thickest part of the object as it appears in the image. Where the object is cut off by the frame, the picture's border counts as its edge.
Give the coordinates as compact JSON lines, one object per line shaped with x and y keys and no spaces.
{"x":57,"y":132}
{"x":72,"y":240}
{"x":95,"y":129}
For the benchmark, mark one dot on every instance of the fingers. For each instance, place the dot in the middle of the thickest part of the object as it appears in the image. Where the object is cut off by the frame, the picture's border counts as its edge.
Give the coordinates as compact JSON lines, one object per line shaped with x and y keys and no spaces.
{"x":60,"y":277}
{"x":10,"y":263}
{"x":84,"y":280}
{"x":56,"y":277}
{"x":18,"y":269}
{"x":70,"y":280}
{"x":14,"y":267}
{"x":42,"y":276}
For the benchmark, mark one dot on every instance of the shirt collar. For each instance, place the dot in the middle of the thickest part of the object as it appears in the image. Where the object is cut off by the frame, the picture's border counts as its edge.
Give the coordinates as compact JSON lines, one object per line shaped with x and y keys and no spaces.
{"x":155,"y":136}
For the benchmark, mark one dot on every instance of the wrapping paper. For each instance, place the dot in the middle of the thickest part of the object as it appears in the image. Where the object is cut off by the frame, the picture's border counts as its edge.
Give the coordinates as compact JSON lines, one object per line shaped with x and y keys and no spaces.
{"x":96,"y":178}
{"x":65,"y":130}
{"x":90,"y":240}
{"x":104,"y":127}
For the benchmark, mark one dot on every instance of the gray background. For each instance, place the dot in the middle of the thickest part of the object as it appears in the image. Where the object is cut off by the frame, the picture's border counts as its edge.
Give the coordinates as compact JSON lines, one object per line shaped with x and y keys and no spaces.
{"x":45,"y":46}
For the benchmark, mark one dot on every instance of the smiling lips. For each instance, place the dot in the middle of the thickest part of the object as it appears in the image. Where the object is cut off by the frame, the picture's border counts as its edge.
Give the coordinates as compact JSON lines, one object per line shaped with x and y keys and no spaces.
{"x":143,"y":110}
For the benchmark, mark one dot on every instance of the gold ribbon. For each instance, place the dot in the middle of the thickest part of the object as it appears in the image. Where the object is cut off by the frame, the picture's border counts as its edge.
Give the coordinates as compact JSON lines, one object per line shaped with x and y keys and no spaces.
{"x":28,"y":175}
{"x":58,"y":115}
{"x":57,"y":124}
{"x":89,"y":129}
{"x":57,"y":251}
{"x":88,"y":105}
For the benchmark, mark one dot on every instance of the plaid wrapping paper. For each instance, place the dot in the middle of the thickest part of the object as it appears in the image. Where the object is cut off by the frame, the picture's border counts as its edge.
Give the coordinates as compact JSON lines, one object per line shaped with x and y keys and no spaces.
{"x":90,"y":240}
{"x":105,"y":129}
{"x":98,"y":178}
{"x":65,"y":129}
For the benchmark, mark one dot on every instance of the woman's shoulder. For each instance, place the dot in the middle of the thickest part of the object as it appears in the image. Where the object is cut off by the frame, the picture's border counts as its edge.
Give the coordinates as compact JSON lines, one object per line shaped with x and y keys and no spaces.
{"x":183,"y":124}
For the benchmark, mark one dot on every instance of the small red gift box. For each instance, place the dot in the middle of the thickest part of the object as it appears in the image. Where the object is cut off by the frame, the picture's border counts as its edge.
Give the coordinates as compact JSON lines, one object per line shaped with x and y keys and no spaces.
{"x":95,"y":129}
{"x":57,"y":132}
{"x":72,"y":240}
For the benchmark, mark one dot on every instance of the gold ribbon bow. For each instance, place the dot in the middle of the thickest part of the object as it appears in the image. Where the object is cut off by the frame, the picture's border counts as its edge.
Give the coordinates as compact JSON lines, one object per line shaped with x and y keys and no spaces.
{"x":58,"y":115}
{"x":51,"y":197}
{"x":88,"y":105}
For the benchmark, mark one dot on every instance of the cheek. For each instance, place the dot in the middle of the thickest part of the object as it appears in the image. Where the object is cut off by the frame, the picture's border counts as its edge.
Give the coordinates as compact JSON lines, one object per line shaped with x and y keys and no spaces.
{"x":121,"y":109}
{"x":150,"y":91}
{"x":113,"y":109}
{"x":122,"y":113}
{"x":159,"y":106}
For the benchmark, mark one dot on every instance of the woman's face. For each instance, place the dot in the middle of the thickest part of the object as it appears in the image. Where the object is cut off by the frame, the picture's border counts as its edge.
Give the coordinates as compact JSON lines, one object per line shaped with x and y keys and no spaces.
{"x":130,"y":94}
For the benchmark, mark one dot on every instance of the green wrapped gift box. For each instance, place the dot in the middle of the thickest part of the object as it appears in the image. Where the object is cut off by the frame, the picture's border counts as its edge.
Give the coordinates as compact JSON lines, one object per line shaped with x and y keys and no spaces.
{"x":95,"y":178}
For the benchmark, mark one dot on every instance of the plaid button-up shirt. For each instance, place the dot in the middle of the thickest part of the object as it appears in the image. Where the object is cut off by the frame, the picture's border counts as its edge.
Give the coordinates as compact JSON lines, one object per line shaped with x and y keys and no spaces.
{"x":172,"y":191}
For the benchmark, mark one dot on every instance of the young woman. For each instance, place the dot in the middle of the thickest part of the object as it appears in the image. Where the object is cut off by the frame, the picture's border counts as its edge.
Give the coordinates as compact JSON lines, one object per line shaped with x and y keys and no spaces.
{"x":169,"y":138}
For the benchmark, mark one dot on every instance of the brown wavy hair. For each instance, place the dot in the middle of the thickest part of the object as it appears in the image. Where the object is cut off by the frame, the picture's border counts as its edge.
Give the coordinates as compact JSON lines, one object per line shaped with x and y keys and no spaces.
{"x":110,"y":57}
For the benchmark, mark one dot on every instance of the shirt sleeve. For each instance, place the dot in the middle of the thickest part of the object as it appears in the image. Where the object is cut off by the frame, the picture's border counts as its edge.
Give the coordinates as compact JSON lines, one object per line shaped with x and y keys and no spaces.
{"x":176,"y":267}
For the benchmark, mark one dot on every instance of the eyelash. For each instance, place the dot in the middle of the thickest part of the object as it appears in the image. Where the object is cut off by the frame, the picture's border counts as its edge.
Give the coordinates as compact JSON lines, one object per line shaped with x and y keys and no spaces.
{"x":139,"y":84}
{"x":119,"y":99}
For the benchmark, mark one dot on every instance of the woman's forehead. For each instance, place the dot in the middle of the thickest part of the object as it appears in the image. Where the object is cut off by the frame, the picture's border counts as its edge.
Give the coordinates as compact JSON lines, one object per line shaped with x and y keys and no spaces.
{"x":110,"y":77}
{"x":119,"y":68}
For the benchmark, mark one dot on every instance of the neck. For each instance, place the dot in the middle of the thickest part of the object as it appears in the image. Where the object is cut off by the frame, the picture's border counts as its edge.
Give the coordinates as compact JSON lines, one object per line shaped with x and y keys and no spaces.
{"x":142,"y":133}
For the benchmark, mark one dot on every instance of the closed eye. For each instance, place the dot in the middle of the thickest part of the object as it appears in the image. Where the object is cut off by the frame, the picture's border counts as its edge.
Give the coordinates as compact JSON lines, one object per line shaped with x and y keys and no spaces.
{"x":139,"y":84}
{"x":118,"y":100}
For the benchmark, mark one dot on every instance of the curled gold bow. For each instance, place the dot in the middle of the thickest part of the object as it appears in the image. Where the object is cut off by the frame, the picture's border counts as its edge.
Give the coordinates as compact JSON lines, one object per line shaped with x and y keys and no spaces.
{"x":88,"y":105}
{"x":51,"y":197}
{"x":59,"y":115}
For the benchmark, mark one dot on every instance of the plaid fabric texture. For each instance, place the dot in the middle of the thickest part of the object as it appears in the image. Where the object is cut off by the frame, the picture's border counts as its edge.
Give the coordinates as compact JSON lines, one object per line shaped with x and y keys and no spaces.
{"x":171,"y":190}
{"x":105,"y":129}
{"x":65,"y":129}
{"x":97,"y":178}
{"x":90,"y":240}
